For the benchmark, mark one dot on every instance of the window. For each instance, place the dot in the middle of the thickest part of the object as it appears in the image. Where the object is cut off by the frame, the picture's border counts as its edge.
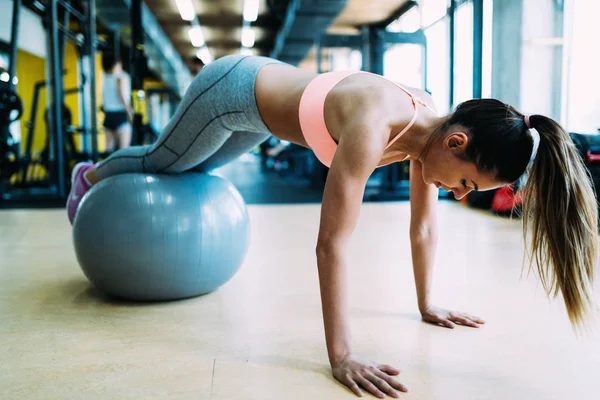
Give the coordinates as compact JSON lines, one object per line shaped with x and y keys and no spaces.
{"x":403,"y":63}
{"x":345,"y":59}
{"x":408,"y":22}
{"x":541,"y":58}
{"x":432,"y":11}
{"x":581,"y":102}
{"x":463,"y":53}
{"x":486,"y":84}
{"x":438,"y":64}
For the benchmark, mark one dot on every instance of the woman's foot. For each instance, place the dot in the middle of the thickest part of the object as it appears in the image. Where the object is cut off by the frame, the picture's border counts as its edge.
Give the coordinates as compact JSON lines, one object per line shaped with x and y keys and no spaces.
{"x":79,"y":187}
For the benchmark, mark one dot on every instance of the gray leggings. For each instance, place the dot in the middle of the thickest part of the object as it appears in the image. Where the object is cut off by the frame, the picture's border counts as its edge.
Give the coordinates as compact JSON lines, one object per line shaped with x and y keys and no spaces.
{"x":217,"y":121}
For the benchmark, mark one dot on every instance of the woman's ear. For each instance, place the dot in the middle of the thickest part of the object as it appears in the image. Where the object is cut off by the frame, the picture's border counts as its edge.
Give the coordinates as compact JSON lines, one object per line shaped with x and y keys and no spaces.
{"x":456,"y":141}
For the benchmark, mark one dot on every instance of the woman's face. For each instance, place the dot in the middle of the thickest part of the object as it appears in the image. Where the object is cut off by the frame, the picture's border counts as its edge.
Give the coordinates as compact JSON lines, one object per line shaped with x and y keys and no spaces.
{"x":444,"y":168}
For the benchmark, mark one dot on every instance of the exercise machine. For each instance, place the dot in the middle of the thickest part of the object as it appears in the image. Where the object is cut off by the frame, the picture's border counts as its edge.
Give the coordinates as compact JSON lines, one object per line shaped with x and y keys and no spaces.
{"x":11,"y":109}
{"x":33,"y":169}
{"x":19,"y":184}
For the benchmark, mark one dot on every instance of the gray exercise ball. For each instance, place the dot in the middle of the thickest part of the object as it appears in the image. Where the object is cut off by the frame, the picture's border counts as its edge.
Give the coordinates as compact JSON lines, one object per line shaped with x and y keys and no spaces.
{"x":161,"y":237}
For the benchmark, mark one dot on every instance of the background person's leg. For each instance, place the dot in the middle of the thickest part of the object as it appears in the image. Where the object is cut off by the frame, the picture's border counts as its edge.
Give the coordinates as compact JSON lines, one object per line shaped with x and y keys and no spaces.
{"x":109,"y":140}
{"x":124,"y":135}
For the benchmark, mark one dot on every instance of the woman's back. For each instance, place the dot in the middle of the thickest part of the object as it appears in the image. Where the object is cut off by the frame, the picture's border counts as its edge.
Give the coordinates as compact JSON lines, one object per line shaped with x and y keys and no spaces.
{"x":280,"y":89}
{"x":112,"y":85}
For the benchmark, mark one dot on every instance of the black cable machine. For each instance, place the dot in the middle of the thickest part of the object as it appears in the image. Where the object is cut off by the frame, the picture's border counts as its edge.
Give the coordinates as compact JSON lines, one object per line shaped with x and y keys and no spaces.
{"x":16,"y":184}
{"x":11,"y":107}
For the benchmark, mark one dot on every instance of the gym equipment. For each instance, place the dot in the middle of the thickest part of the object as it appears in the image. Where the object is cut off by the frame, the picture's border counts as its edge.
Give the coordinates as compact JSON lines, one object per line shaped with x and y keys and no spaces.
{"x":11,"y":106}
{"x":161,"y":237}
{"x":161,"y":106}
{"x":294,"y":162}
{"x":45,"y":179}
{"x":588,"y":146}
{"x":35,"y":170}
{"x":11,"y":109}
{"x":85,"y":41}
{"x":508,"y":200}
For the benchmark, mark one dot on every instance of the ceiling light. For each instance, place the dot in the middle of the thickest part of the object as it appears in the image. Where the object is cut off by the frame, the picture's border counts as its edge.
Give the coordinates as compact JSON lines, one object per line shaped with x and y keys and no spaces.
{"x":186,"y":9}
{"x":204,"y":55}
{"x":4,"y":77}
{"x":247,"y":37}
{"x":196,"y":36}
{"x":250,"y":10}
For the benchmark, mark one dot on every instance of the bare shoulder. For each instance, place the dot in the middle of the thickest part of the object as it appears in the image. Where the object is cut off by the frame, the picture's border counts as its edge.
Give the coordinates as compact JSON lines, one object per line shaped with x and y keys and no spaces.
{"x":423,"y":95}
{"x":356,"y":103}
{"x":383,"y":96}
{"x":359,"y":96}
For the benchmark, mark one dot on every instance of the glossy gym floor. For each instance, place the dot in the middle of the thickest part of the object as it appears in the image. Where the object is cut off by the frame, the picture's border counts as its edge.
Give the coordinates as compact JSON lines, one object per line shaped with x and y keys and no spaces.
{"x":260,"y":336}
{"x":115,"y":67}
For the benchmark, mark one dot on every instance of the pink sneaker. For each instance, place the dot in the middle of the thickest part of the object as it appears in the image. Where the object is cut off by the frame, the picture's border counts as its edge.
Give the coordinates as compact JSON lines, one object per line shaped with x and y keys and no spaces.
{"x":79,"y":187}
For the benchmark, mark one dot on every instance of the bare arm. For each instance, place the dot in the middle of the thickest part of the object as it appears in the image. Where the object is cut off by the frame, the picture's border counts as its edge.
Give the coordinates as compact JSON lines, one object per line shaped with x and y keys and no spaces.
{"x":423,"y":232}
{"x":120,"y":84}
{"x":423,"y":238}
{"x":358,"y":154}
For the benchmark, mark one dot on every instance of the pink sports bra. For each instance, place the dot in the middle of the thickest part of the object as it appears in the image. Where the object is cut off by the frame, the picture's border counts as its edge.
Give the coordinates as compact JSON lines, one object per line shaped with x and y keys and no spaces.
{"x":312,"y":114}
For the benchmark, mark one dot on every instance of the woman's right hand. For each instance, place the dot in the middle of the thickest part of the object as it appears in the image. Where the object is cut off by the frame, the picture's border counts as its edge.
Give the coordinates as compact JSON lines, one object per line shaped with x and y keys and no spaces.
{"x":359,"y":151}
{"x":377,"y":379}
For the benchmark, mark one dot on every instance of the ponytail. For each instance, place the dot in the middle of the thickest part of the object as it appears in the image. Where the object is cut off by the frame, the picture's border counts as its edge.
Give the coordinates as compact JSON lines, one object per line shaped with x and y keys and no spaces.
{"x":560,"y":212}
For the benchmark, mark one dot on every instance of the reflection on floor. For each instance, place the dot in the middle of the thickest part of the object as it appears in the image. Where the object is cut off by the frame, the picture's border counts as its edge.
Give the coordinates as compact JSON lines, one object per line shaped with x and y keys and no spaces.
{"x":260,"y":336}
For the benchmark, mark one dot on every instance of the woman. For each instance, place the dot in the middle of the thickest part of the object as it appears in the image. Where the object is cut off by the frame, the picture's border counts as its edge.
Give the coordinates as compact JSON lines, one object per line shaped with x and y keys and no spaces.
{"x":355,"y":122}
{"x":116,"y":103}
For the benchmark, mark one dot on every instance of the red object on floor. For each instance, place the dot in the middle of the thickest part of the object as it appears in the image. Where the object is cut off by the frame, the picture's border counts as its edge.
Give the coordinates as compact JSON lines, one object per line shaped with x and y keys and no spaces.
{"x":506,"y":198}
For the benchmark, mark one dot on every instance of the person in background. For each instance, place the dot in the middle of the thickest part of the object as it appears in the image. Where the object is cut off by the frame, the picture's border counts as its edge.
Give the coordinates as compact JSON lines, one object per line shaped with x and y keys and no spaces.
{"x":116,"y":103}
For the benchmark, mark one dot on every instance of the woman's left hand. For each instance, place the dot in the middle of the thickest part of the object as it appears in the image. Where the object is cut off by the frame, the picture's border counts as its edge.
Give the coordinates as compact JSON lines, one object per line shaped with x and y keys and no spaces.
{"x":449,"y":319}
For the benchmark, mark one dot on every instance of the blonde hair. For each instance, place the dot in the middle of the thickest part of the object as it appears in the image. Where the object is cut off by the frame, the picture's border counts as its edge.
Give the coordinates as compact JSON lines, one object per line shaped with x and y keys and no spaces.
{"x":560,"y":212}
